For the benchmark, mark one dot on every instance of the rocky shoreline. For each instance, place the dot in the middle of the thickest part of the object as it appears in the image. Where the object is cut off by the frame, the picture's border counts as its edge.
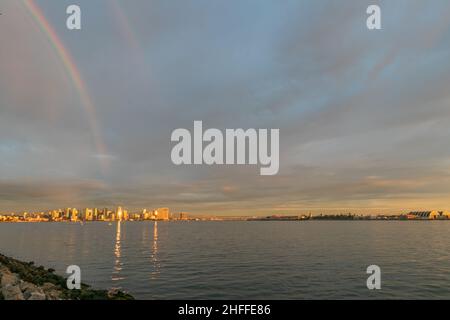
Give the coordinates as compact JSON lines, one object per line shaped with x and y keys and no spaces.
{"x":25,"y":281}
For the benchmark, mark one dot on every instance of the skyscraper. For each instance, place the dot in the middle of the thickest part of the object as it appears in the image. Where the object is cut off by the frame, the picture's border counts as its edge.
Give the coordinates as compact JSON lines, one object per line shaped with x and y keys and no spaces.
{"x":88,"y":214}
{"x":162,"y":214}
{"x":119,"y":214}
{"x":74,"y":215}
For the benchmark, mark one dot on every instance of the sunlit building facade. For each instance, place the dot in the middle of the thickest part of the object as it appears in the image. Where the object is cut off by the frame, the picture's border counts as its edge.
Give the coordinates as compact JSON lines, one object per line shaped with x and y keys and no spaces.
{"x":162,"y":214}
{"x":88,"y":214}
{"x":119,"y":214}
{"x":429,"y":215}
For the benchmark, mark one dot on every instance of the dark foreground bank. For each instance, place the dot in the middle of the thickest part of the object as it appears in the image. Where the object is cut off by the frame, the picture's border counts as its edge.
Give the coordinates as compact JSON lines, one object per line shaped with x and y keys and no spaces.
{"x":25,"y":281}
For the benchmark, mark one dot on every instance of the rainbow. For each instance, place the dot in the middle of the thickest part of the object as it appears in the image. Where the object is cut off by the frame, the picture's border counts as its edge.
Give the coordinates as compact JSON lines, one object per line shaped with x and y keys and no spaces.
{"x":125,"y":28}
{"x":75,"y":76}
{"x":129,"y":35}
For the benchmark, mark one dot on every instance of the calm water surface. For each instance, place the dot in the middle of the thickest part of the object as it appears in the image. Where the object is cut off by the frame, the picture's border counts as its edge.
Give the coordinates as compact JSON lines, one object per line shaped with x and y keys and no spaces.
{"x":244,"y":260}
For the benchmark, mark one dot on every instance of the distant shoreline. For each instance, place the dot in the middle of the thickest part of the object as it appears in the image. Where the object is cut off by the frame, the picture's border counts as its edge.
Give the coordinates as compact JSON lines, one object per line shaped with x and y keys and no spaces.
{"x":163,"y":214}
{"x":221,"y":220}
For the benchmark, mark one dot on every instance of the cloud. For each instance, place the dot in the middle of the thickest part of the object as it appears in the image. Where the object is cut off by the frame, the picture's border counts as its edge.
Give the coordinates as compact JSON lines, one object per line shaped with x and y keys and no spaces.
{"x":362,"y":115}
{"x":28,"y":194}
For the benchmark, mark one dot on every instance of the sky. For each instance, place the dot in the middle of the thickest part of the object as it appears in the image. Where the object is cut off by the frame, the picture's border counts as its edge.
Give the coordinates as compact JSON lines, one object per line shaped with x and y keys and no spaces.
{"x":363,"y":114}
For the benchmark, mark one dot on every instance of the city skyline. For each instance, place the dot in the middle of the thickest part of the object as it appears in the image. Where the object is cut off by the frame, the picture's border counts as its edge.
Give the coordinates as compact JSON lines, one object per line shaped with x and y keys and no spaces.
{"x":86,"y":116}
{"x":120,"y":213}
{"x":73,"y":214}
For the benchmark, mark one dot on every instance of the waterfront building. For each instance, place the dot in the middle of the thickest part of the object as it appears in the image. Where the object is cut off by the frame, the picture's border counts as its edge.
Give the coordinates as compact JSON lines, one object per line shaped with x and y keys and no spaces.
{"x":428,"y":215}
{"x":119,"y":214}
{"x":74,"y":215}
{"x":67,"y":212}
{"x":162,"y":214}
{"x":55,"y":214}
{"x":145,"y":214}
{"x":183,"y":216}
{"x":88,"y":214}
{"x":136,"y":216}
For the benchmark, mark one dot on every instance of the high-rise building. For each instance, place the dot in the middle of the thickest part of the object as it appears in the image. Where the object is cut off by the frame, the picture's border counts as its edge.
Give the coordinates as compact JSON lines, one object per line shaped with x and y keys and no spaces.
{"x":94,"y":214}
{"x":183,"y":216}
{"x":162,"y":213}
{"x":67,"y":213}
{"x":104,"y":214}
{"x":54,"y":214}
{"x":145,"y":214}
{"x":74,"y":215}
{"x":119,"y":213}
{"x":88,"y":214}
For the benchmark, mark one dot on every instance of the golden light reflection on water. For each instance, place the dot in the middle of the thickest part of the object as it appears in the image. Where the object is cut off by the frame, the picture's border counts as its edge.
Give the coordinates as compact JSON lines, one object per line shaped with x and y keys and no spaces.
{"x":71,"y":244}
{"x":118,"y":254}
{"x":153,"y":248}
{"x":154,"y":256}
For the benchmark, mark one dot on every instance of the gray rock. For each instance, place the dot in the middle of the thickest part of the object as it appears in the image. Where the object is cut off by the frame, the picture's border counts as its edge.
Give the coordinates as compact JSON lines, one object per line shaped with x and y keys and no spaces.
{"x":12,"y":292}
{"x":37,"y":296}
{"x":48,"y":286}
{"x":28,"y":289}
{"x":53,"y":295}
{"x":51,"y":291}
{"x":3,"y":269}
{"x":9,"y":279}
{"x":112,"y":292}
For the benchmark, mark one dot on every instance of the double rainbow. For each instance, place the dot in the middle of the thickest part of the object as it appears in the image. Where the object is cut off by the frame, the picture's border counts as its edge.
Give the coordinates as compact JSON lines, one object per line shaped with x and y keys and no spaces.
{"x":75,"y":74}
